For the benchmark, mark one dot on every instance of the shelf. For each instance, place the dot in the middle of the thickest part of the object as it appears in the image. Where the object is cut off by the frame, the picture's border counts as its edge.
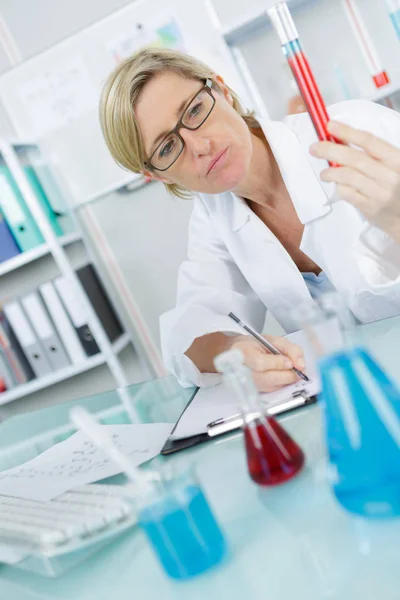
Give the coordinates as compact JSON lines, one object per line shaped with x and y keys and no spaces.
{"x":121,"y":343}
{"x":27,"y":257}
{"x":385,"y":92}
{"x":246,"y":26}
{"x":62,"y":374}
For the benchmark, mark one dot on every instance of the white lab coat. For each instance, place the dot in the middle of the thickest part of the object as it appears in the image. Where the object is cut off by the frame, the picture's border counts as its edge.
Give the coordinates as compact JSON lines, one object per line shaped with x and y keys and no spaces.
{"x":236,"y":264}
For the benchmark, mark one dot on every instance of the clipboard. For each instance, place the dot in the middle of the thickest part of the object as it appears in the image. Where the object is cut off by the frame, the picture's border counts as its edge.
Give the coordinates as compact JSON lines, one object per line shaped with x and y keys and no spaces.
{"x":230,"y":424}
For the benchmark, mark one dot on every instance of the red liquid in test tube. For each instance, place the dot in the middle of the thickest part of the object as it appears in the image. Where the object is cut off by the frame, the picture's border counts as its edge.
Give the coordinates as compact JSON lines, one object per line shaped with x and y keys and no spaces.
{"x":300,"y":67}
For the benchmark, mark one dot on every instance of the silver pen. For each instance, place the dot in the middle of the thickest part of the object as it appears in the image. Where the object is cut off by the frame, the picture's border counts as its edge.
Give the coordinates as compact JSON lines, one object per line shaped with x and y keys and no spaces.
{"x":265,"y":343}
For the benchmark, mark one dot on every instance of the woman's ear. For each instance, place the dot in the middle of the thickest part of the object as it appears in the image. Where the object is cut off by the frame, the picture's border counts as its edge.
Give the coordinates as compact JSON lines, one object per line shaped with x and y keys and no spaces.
{"x":224,"y":89}
{"x":155,"y":176}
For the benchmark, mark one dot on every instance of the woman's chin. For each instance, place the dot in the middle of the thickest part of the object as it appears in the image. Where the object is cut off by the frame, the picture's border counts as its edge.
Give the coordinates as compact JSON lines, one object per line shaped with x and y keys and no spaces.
{"x":226,"y":182}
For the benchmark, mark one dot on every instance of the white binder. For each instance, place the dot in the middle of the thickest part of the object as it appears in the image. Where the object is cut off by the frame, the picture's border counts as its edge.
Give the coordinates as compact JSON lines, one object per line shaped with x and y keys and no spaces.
{"x":62,"y":323}
{"x":32,"y":347}
{"x":45,"y":331}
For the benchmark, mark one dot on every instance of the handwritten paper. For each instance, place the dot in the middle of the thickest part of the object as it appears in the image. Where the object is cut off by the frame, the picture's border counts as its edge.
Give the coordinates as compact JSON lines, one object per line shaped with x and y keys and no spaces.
{"x":77,"y":461}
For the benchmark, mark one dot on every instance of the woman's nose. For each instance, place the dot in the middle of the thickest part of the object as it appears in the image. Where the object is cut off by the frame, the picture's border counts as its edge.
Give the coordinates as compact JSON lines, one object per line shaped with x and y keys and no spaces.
{"x":195,"y":142}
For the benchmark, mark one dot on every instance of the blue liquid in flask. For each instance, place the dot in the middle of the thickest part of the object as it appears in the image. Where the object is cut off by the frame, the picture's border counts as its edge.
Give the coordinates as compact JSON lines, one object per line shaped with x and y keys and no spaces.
{"x":184,"y":533}
{"x":362,"y":420}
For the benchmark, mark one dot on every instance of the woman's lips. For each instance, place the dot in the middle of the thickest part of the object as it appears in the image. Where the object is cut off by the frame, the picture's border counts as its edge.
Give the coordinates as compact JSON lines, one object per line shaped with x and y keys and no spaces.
{"x":217,"y":160}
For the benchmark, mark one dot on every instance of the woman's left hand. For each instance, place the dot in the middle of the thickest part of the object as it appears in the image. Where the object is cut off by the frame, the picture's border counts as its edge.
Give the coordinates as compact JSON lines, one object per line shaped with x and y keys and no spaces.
{"x":368,"y":176}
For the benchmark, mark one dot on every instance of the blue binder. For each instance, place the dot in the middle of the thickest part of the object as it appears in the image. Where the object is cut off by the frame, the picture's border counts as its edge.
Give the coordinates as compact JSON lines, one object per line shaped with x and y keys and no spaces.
{"x":8,"y":246}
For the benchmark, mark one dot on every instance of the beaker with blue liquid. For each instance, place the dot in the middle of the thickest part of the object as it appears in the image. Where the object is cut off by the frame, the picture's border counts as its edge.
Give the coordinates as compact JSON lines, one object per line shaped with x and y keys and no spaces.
{"x":361,"y":407}
{"x":180,"y":525}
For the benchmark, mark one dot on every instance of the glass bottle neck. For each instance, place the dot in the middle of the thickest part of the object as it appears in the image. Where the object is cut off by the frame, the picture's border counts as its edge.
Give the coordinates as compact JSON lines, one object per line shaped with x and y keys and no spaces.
{"x":247,"y":396}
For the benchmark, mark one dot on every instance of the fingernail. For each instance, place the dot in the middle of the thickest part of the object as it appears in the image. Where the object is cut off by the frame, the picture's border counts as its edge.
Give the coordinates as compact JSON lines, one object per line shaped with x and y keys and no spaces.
{"x":333,"y":126}
{"x":288,"y":364}
{"x":301,"y":364}
{"x":314,"y":149}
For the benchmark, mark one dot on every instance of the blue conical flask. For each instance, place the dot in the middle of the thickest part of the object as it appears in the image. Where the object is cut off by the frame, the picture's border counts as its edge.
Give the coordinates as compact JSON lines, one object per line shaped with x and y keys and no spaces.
{"x":361,"y":408}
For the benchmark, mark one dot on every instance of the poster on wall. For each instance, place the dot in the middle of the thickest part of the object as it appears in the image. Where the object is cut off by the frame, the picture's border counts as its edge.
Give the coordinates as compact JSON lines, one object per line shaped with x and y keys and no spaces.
{"x":59,"y":95}
{"x":166,"y":35}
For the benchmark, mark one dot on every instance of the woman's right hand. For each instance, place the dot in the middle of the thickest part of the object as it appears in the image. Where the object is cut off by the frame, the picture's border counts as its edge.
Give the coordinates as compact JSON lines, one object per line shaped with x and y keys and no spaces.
{"x":271,"y":371}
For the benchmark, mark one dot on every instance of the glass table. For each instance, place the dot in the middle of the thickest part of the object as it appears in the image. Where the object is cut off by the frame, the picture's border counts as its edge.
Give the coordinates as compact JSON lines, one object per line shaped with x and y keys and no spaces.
{"x":289,"y":542}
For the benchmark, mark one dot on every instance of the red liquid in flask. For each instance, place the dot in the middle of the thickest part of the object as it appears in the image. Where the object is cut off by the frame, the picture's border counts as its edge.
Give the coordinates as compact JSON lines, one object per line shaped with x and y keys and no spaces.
{"x":273,"y":457}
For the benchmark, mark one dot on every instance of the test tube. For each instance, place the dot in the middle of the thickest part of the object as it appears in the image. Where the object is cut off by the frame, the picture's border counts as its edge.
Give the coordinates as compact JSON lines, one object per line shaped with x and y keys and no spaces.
{"x":378,"y":74}
{"x":394,"y":14}
{"x":300,"y":67}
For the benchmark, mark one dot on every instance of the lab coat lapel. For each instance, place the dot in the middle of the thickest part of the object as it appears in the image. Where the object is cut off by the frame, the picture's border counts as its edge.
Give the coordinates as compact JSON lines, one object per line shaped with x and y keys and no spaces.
{"x":300,"y":172}
{"x":266,"y":264}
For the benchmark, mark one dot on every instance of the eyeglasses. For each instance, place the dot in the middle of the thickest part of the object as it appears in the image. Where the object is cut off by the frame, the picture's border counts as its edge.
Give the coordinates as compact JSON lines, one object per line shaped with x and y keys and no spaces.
{"x":193,"y":117}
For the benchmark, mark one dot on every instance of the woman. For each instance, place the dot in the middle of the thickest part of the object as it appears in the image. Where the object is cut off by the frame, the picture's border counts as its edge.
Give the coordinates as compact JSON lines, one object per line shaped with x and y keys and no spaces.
{"x":263,"y":231}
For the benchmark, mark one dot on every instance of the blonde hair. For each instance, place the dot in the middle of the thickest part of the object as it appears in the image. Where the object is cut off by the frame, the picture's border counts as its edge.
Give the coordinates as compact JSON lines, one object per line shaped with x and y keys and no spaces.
{"x":121,"y":91}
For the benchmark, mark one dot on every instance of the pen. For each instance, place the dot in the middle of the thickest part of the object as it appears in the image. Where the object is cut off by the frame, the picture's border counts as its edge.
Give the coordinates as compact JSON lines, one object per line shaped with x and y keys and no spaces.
{"x":264,"y":343}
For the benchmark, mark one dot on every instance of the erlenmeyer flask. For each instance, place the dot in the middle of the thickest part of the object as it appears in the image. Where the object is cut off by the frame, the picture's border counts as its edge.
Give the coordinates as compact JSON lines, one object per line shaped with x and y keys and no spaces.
{"x":361,"y":412}
{"x":273,"y":457}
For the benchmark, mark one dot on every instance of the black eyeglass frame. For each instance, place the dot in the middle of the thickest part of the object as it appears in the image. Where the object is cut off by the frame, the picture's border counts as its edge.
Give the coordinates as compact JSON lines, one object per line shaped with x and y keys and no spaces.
{"x":180,"y":125}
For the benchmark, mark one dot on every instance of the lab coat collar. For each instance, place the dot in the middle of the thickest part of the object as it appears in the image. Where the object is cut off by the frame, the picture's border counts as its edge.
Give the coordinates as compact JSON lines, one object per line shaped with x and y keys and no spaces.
{"x":301,"y":179}
{"x":241,"y":212}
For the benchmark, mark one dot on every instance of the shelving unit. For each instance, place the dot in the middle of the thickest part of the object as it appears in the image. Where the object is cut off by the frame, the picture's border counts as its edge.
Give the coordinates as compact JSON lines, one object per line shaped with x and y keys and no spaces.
{"x":55,"y":246}
{"x":61,"y":375}
{"x":255,"y":21}
{"x":27,"y":257}
{"x":385,"y":92}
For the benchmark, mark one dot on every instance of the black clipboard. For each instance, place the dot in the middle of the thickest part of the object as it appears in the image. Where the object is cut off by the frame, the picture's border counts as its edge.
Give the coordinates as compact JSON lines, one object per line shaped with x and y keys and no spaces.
{"x":171,"y":446}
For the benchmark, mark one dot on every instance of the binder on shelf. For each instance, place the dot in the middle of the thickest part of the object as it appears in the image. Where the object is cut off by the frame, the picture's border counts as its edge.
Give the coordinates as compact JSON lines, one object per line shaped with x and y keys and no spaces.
{"x":27,"y":338}
{"x":45,"y":331}
{"x":23,"y":368}
{"x":54,"y":197}
{"x":15,"y":210}
{"x":17,"y":374}
{"x":100,"y":301}
{"x":77,"y":313}
{"x":8,"y":246}
{"x":65,"y":329}
{"x":42,"y":198}
{"x":5,"y":372}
